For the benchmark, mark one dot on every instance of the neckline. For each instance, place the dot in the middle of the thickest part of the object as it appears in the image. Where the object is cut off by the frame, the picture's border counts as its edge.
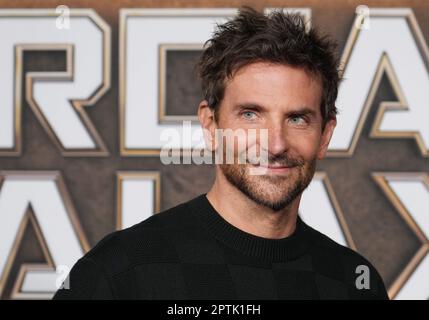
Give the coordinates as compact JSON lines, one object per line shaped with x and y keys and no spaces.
{"x":284,"y":249}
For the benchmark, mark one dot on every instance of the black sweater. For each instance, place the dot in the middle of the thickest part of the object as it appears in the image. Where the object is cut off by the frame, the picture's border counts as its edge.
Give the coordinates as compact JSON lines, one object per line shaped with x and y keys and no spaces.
{"x":191,"y":252}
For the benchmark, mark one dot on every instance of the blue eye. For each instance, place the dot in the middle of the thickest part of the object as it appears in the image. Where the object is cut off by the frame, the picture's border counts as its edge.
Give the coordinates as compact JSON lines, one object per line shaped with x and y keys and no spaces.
{"x":296,"y":119}
{"x":249,"y":115}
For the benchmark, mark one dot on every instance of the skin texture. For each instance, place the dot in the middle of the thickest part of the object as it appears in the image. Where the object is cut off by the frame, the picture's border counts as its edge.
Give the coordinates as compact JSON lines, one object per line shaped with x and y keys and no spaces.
{"x":264,"y":95}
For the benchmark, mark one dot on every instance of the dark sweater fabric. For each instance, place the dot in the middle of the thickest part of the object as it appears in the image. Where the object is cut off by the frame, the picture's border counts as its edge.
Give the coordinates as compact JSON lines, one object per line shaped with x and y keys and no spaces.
{"x":191,"y":252}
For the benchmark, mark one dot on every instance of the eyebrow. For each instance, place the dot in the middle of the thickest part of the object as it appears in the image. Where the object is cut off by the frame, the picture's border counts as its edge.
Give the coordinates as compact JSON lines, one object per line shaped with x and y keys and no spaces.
{"x":303,"y":110}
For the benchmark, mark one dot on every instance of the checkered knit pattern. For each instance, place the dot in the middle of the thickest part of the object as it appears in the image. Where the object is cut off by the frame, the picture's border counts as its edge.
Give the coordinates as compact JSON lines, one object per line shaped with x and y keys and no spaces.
{"x":191,"y":252}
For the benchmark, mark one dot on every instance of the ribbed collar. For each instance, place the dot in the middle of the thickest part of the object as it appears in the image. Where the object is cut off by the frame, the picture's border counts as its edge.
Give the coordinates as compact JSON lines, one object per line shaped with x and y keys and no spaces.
{"x":275,"y":250}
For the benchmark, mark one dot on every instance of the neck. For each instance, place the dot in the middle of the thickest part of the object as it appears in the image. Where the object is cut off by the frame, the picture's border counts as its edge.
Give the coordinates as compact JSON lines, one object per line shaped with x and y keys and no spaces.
{"x":245,"y":214}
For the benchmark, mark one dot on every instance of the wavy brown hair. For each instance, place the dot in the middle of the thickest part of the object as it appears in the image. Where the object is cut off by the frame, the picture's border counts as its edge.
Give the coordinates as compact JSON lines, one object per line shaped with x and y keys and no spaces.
{"x":278,"y":37}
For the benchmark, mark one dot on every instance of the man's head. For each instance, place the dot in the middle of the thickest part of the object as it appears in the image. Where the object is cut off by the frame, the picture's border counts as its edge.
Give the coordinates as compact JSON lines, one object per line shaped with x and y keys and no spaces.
{"x":269,"y":72}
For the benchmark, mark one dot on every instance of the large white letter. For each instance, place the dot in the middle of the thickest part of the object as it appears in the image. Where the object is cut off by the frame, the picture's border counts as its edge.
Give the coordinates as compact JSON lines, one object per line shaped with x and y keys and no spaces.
{"x":409,"y":193}
{"x":392,"y":43}
{"x":319,"y":208}
{"x":145,"y":35}
{"x":40,"y":197}
{"x":138,"y":196}
{"x":57,"y":98}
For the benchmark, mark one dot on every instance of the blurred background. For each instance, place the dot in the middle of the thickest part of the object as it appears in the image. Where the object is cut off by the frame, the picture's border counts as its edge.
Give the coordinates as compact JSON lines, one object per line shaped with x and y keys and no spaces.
{"x":88,"y":87}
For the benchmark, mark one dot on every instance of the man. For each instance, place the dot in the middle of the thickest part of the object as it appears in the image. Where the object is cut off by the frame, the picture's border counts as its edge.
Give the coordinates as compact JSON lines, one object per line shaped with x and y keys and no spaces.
{"x":243,"y":239}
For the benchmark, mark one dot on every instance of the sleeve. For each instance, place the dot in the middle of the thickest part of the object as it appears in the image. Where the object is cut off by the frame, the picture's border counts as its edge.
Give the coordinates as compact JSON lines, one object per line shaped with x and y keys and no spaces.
{"x":365,"y":282}
{"x":86,"y":281}
{"x":377,"y":289}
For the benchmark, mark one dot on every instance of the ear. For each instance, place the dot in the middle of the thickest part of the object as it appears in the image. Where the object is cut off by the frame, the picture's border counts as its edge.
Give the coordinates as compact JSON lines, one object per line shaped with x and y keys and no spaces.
{"x":208,"y":124}
{"x":326,"y":137}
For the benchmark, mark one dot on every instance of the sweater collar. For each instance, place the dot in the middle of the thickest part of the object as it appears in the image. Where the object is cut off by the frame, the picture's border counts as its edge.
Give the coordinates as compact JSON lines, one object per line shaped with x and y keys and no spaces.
{"x":284,"y":249}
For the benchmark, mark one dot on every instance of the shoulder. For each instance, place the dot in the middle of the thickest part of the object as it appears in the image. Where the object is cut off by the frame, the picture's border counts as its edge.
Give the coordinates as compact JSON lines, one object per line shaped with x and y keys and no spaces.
{"x":344,"y":264}
{"x":107,"y":270}
{"x":144,"y":242}
{"x":329,"y":248}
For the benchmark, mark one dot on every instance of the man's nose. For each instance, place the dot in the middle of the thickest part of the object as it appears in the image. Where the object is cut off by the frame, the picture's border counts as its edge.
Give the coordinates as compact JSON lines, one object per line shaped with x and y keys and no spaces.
{"x":277,"y":138}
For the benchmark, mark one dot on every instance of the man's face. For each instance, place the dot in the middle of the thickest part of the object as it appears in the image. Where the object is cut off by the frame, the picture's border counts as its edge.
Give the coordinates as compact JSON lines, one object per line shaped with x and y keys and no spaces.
{"x":286,"y":101}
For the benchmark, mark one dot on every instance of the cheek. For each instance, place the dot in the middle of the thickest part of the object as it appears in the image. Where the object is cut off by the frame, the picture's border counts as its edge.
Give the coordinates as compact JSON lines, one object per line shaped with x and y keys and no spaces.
{"x":234,"y":141}
{"x":306,"y":146}
{"x":237,"y":137}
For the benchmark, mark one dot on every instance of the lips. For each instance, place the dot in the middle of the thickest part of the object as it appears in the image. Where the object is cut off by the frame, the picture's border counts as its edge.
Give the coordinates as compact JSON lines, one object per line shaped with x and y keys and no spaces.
{"x":271,"y":169}
{"x":273,"y":166}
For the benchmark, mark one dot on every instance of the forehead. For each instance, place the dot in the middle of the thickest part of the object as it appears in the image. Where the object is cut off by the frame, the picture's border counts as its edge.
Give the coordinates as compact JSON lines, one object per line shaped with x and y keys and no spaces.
{"x":274,"y":84}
